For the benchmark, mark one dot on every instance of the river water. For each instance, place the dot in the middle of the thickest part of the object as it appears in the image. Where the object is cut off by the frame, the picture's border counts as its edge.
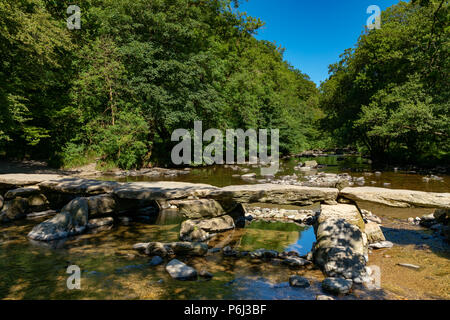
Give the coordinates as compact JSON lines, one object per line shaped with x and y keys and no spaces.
{"x":112,"y":270}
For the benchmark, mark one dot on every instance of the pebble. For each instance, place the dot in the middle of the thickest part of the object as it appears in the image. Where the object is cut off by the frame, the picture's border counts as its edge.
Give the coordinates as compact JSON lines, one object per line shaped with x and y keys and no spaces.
{"x":408,"y":265}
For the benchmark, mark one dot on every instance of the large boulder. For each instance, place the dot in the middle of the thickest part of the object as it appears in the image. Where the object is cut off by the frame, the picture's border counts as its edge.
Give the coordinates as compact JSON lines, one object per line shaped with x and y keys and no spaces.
{"x":180,"y":271}
{"x":198,"y":209}
{"x":398,"y":198}
{"x":199,"y":230}
{"x":14,"y":209}
{"x":340,"y":249}
{"x":101,"y":205}
{"x":337,"y":285}
{"x":72,"y":220}
{"x":275,"y":194}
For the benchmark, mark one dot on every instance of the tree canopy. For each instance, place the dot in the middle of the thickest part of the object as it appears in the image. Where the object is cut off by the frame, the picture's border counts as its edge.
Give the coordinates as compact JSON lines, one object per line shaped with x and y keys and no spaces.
{"x":390,"y":93}
{"x":137,"y":70}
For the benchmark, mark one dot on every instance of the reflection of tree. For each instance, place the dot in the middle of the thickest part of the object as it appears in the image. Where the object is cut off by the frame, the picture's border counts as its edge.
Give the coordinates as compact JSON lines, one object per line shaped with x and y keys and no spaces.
{"x":274,"y":236}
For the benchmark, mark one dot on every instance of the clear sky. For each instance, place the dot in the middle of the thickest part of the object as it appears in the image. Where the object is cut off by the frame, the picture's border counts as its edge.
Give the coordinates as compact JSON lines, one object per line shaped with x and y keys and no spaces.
{"x":313,"y":32}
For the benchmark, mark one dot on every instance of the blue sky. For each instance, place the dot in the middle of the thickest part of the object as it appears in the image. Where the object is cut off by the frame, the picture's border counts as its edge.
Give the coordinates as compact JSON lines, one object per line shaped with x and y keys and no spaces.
{"x":313,"y":32}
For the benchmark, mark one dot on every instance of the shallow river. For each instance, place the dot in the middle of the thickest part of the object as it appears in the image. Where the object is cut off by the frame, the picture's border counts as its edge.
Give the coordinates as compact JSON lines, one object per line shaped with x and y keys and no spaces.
{"x":112,"y":270}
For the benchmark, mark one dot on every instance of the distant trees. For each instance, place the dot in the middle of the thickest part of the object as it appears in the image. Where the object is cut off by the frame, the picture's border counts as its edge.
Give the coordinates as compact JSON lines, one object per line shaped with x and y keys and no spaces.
{"x":139,"y":69}
{"x":390,"y":94}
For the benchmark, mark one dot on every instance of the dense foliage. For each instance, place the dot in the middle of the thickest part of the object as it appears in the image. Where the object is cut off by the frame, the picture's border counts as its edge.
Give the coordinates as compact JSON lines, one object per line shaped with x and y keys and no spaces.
{"x":390,"y":94}
{"x":115,"y":90}
{"x":137,"y":70}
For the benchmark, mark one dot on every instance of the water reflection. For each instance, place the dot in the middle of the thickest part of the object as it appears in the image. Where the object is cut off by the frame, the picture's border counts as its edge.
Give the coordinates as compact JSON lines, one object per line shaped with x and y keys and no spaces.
{"x":356,"y":166}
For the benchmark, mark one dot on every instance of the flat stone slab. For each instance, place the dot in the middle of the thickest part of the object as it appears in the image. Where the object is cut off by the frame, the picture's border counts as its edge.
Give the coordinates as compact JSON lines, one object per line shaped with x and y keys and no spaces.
{"x":23,"y":179}
{"x":398,"y":198}
{"x":78,"y":186}
{"x":349,"y":213}
{"x":276,"y":194}
{"x":163,"y":190}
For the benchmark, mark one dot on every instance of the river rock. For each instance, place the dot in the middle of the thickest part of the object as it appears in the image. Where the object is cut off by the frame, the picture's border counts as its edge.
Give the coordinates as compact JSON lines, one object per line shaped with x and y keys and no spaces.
{"x":205,"y":274}
{"x":199,"y":230}
{"x":72,"y":220}
{"x":275,"y":194}
{"x":198,"y":209}
{"x":340,"y":249}
{"x":347,"y":212}
{"x":296,"y":262}
{"x":41,"y":214}
{"x":38,"y":202}
{"x":408,"y":265}
{"x":24,"y":179}
{"x":299,"y":282}
{"x":156,"y":261}
{"x":428,"y":220}
{"x":189,"y":248}
{"x":374,"y":233}
{"x":97,"y":223}
{"x":337,"y":285}
{"x":381,"y":245}
{"x":22,"y":192}
{"x":248,"y":176}
{"x":155,"y":249}
{"x":180,"y":271}
{"x":100,"y":205}
{"x":311,"y":164}
{"x":264,"y":254}
{"x":398,"y":198}
{"x":177,"y":248}
{"x":324,"y":297}
{"x":14,"y":209}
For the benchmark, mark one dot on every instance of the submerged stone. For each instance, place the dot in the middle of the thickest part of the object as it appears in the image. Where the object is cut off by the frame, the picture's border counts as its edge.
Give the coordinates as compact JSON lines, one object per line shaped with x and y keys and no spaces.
{"x":180,"y":271}
{"x":72,"y":220}
{"x":155,"y":261}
